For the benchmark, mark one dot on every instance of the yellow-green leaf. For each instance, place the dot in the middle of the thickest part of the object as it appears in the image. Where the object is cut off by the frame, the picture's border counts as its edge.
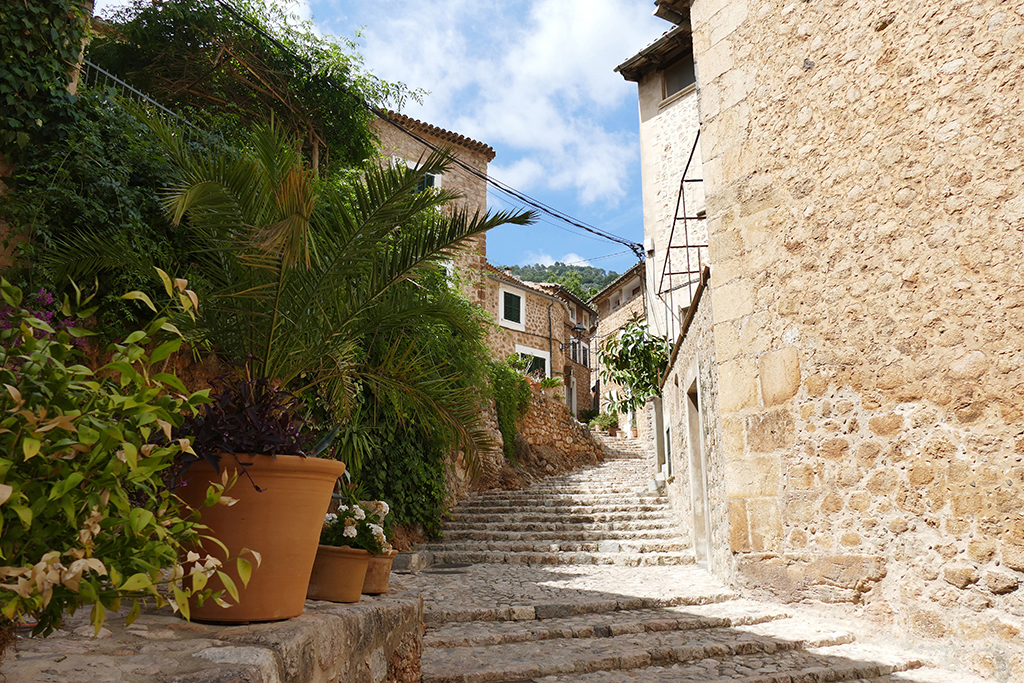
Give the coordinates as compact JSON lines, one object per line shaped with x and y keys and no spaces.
{"x":199,"y":580}
{"x":140,"y":296}
{"x":166,"y":279}
{"x":229,"y":584}
{"x":164,"y":350}
{"x":131,"y":453}
{"x":134,"y":614}
{"x":244,"y":570}
{"x":30,"y":447}
{"x":137,"y":582}
{"x":181,"y":599}
{"x":99,"y":615}
{"x":5,"y":493}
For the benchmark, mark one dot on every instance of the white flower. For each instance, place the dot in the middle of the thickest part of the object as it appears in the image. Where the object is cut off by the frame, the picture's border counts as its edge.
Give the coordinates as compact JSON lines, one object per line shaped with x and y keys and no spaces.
{"x":349,"y":532}
{"x":330,"y":518}
{"x":343,"y":508}
{"x":359,"y":512}
{"x":384,"y":509}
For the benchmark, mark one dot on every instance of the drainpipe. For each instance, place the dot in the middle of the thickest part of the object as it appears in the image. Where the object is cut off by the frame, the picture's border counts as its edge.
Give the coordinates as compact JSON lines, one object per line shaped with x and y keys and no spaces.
{"x":551,"y":343}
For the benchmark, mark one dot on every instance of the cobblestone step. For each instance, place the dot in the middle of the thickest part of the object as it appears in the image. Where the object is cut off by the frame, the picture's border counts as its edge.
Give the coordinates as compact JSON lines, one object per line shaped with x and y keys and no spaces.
{"x":560,"y":558}
{"x":526,"y":660}
{"x":788,"y":666}
{"x":602,"y":624}
{"x":492,"y":534}
{"x":611,"y":501}
{"x":642,"y":525}
{"x":540,"y":517}
{"x":562,"y":509}
{"x":658,"y":545}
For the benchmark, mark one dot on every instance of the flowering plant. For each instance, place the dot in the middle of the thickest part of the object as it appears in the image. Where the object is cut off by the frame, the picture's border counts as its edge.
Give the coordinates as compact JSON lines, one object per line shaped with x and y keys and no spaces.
{"x":358,"y":525}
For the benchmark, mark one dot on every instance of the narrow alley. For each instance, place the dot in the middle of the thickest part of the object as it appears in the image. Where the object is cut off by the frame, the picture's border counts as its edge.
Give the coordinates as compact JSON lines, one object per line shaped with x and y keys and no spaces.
{"x":584,"y":578}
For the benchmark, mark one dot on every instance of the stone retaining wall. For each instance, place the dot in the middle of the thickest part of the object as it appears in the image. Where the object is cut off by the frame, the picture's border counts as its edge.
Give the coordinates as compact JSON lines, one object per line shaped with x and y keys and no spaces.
{"x":377,"y":640}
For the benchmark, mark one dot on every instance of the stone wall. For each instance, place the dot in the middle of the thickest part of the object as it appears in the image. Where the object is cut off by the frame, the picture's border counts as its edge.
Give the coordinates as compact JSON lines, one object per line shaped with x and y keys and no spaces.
{"x":863,"y":167}
{"x":695,"y":364}
{"x":555,"y":437}
{"x":377,"y":640}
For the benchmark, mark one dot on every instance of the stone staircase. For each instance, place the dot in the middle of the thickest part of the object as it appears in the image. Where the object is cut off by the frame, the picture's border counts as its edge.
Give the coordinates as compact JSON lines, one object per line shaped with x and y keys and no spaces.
{"x":587,"y":578}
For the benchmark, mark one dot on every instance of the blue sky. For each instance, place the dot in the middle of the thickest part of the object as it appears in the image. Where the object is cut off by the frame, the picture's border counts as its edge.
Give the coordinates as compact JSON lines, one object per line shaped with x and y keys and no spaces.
{"x":534,"y":80}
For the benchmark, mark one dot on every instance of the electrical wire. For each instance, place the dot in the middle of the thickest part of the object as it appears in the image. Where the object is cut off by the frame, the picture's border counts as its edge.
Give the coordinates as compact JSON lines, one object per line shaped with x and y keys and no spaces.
{"x":536,"y":204}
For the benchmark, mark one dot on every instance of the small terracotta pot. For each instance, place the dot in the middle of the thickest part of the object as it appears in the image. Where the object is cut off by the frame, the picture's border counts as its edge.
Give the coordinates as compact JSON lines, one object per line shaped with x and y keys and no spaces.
{"x":282,"y":523}
{"x":612,"y":431}
{"x":378,"y":573}
{"x":338,"y":574}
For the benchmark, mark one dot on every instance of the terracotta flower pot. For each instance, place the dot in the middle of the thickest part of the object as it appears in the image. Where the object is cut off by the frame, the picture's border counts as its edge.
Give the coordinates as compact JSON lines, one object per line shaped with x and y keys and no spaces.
{"x":378,"y":573}
{"x":282,"y":523}
{"x":338,"y":574}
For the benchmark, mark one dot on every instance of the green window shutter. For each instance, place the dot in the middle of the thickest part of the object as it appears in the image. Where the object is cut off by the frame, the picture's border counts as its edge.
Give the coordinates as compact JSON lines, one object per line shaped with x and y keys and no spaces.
{"x":513,"y":308}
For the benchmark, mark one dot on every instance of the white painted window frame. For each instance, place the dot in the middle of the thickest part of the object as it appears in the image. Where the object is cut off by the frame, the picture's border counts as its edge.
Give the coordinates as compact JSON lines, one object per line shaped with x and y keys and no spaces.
{"x":536,"y":352}
{"x":511,"y":324}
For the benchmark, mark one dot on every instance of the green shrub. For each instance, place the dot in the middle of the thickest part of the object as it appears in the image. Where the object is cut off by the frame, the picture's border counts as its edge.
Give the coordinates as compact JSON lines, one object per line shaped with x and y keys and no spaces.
{"x":511,"y":401}
{"x":85,"y":518}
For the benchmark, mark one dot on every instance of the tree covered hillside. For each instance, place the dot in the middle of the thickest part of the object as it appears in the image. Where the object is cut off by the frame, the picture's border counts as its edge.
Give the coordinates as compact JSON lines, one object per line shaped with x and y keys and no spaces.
{"x":583,"y":281}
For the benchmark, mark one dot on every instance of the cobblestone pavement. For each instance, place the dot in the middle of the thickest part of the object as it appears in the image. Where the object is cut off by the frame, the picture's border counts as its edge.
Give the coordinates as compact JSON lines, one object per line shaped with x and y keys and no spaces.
{"x":586,"y":578}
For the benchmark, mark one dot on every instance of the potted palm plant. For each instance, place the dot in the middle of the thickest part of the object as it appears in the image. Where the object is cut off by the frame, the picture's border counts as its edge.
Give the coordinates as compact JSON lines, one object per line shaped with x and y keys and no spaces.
{"x":300,"y":270}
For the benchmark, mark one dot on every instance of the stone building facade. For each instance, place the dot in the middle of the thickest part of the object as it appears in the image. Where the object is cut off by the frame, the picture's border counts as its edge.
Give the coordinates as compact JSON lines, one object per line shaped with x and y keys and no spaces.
{"x":622,"y":300}
{"x":862,"y":168}
{"x":397,"y":145}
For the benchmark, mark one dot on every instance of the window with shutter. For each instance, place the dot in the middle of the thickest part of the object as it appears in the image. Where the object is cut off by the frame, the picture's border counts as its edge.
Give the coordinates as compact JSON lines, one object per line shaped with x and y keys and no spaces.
{"x":513,"y":308}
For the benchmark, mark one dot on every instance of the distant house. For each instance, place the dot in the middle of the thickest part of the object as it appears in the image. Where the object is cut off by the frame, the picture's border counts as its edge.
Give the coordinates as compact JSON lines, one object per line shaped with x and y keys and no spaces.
{"x":619,"y":302}
{"x":534,"y":320}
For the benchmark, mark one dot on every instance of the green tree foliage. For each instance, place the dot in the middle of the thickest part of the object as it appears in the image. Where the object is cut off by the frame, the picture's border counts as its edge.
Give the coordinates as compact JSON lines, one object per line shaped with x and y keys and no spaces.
{"x":511,"y":393}
{"x":40,"y":42}
{"x":196,"y":56}
{"x":635,"y":359}
{"x":583,"y":281}
{"x":102,"y":173}
{"x":302,"y":271}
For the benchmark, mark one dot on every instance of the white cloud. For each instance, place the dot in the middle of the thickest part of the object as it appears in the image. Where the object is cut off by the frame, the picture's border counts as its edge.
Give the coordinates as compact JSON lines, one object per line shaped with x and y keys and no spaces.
{"x":537,"y":258}
{"x":542,"y":85}
{"x":575,"y":259}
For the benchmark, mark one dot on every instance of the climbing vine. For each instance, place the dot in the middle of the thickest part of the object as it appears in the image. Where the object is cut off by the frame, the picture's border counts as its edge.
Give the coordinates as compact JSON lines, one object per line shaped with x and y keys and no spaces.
{"x":511,"y":401}
{"x":40,"y":42}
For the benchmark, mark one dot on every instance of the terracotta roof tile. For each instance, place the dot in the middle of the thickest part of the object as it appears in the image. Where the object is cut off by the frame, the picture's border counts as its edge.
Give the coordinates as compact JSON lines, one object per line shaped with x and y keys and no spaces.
{"x":441,"y":133}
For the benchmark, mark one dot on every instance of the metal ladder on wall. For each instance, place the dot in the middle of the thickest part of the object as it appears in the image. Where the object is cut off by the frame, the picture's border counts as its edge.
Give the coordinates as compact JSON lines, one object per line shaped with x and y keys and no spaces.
{"x":694,"y":255}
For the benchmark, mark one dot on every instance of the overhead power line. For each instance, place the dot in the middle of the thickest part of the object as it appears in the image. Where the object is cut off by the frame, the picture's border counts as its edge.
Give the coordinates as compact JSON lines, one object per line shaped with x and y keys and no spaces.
{"x":527,"y":200}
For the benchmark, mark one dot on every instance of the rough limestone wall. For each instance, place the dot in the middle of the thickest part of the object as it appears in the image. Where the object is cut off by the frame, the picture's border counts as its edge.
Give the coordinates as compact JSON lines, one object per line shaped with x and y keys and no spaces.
{"x":556,"y":438}
{"x":696,"y":361}
{"x":863,"y":164}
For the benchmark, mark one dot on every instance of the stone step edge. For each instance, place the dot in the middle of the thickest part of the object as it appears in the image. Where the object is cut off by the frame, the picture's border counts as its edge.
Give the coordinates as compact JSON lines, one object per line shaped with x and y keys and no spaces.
{"x":656,"y":621}
{"x":578,"y":557}
{"x":852,"y":672}
{"x":552,"y":610}
{"x":632,"y":658}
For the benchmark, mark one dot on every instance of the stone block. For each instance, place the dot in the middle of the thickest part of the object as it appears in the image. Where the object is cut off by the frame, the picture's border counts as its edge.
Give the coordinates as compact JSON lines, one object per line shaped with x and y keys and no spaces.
{"x":752,"y":478}
{"x":1013,"y":556}
{"x":886,"y":425}
{"x":715,"y":61}
{"x":765,"y":524}
{"x":770,"y":431}
{"x":737,"y":385}
{"x":733,"y":300}
{"x":960,"y":576}
{"x":1001,"y":583}
{"x":727,"y":342}
{"x":928,"y":623}
{"x":779,"y":372}
{"x":971,"y":365}
{"x":739,"y":532}
{"x":834,"y":448}
{"x":981,"y":550}
{"x":857,"y":572}
{"x":732,"y":437}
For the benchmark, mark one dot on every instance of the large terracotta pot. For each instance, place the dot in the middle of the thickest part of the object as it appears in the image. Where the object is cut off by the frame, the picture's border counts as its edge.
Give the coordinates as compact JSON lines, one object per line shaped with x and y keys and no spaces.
{"x":378,"y":573}
{"x":338,"y":574}
{"x":282,"y":523}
